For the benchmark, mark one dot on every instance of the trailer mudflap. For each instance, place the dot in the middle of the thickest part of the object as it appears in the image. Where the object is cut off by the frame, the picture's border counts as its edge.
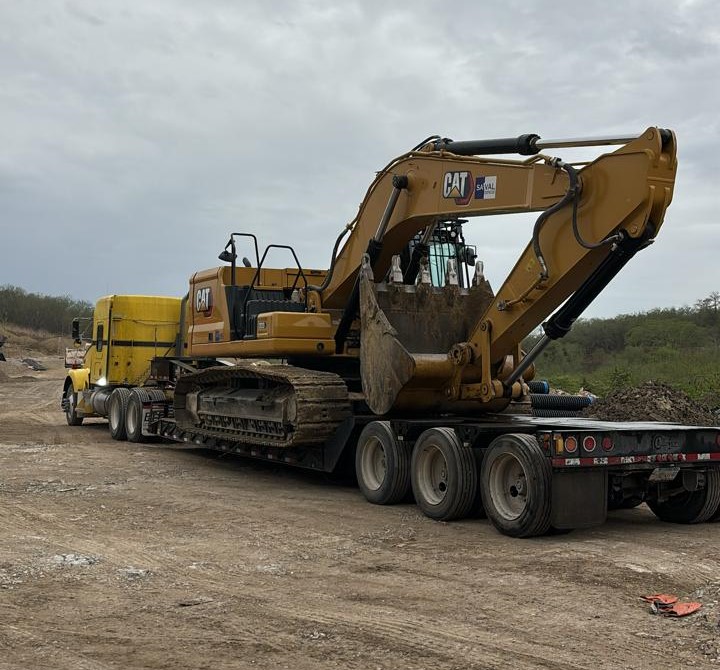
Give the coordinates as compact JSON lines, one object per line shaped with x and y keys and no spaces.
{"x":579,"y":499}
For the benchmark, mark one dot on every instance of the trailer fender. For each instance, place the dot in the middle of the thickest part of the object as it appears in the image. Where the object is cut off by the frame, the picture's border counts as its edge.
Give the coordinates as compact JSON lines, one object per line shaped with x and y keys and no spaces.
{"x":579,"y":498}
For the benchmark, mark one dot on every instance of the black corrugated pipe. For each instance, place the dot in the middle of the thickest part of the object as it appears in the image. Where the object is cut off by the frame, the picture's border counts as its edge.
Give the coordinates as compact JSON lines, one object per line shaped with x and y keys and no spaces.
{"x":572,"y":402}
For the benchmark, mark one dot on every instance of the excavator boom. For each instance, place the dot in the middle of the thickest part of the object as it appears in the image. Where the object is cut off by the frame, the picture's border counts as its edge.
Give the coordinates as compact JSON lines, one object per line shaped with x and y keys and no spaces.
{"x":593,"y":220}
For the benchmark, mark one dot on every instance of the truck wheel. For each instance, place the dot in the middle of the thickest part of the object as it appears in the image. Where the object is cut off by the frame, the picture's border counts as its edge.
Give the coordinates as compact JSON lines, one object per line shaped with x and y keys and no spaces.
{"x":515,"y":480}
{"x":134,"y":416}
{"x":117,"y":409}
{"x":382,"y":464}
{"x":691,"y":506}
{"x":443,"y":474}
{"x":71,"y":415}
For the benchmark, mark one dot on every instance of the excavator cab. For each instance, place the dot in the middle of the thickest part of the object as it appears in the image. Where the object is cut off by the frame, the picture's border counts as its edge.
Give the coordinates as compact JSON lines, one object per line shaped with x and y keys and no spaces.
{"x":446,"y":243}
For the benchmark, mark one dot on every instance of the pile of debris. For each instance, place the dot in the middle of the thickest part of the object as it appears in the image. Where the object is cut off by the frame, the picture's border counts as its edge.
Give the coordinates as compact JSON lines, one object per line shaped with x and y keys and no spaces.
{"x":33,"y":364}
{"x":651,"y":401}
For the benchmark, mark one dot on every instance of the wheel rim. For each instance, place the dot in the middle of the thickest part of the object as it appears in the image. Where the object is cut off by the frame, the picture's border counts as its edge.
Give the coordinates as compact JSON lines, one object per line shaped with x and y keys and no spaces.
{"x":132,"y":418}
{"x":114,"y":413}
{"x":432,"y":479}
{"x":373,"y":466}
{"x":508,"y":486}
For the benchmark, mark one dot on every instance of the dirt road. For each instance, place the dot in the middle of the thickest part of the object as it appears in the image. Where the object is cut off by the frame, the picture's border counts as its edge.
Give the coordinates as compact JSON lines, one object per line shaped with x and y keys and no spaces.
{"x":114,"y":555}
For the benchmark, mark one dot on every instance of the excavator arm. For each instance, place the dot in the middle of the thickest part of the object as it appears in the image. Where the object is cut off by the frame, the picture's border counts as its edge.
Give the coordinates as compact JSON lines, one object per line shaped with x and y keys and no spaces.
{"x":593,"y":220}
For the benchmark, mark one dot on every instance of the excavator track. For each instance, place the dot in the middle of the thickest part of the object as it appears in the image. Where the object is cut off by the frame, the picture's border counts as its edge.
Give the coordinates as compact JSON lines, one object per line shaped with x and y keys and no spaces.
{"x":265,"y":405}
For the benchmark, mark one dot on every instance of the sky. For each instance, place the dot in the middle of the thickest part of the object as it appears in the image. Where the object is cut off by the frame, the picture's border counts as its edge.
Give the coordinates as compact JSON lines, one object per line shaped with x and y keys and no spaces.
{"x":137,"y":135}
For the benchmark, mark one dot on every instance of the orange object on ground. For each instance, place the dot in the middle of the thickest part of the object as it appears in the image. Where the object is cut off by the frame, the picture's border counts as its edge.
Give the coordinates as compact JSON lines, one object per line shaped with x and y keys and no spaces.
{"x":667,"y":604}
{"x":662,"y":598}
{"x":678,"y":609}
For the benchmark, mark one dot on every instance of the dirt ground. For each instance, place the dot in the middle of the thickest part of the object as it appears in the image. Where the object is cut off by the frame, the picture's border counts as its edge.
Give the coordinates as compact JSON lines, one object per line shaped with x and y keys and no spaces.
{"x":115,"y":555}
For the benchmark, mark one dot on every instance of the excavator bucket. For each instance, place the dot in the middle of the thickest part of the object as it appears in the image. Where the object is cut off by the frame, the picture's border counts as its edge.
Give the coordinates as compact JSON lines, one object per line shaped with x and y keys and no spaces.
{"x":407,"y":330}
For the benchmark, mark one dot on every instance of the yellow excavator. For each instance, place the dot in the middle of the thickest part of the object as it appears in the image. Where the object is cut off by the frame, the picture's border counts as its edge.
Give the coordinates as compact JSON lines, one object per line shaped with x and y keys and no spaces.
{"x":402,"y":359}
{"x":423,"y":348}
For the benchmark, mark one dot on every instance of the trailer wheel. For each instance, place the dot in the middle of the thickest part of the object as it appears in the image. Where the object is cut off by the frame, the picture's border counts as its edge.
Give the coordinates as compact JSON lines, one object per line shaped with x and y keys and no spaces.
{"x":444,"y":475}
{"x":692,"y":506}
{"x":382,"y":464}
{"x":515,"y":480}
{"x":71,"y":415}
{"x":134,"y":416}
{"x":117,"y":409}
{"x":715,"y":517}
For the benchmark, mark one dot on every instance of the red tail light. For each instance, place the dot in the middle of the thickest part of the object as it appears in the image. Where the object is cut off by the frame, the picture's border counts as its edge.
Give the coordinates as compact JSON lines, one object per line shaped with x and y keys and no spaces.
{"x":607,"y":443}
{"x":589,"y":443}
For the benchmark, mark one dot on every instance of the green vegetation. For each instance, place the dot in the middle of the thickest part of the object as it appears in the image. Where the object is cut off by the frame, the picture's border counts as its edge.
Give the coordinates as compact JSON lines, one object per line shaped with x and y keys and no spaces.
{"x":678,"y":346}
{"x":40,"y":312}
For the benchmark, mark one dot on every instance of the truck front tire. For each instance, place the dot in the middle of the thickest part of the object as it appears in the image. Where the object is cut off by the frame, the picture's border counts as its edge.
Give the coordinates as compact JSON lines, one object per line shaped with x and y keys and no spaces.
{"x":516,"y":480}
{"x":71,"y":415}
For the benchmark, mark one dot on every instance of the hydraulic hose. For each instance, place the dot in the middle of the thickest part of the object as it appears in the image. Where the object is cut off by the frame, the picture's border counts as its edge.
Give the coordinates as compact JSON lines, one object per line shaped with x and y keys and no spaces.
{"x":351,"y":225}
{"x":571,"y":195}
{"x":333,"y":258}
{"x":578,"y":237}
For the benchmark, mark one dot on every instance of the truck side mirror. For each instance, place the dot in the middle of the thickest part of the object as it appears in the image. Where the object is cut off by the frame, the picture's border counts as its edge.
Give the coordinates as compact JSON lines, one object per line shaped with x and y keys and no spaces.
{"x":76,"y":330}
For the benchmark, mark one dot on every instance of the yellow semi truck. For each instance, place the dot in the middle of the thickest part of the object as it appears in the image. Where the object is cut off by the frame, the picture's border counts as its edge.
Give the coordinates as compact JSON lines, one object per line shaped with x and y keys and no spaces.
{"x":128,"y":332}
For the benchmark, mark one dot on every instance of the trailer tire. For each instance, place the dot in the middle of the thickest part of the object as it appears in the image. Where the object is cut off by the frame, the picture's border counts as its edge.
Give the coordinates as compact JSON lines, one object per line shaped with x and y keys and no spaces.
{"x":382,"y":464}
{"x":692,"y":506}
{"x":516,"y":484}
{"x":134,"y":415}
{"x":71,"y":415}
{"x":444,"y":475}
{"x":715,"y":517}
{"x":117,"y":409}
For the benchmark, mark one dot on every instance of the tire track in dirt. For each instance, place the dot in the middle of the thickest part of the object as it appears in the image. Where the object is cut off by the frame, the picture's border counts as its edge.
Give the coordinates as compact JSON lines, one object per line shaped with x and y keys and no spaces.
{"x":42,"y":654}
{"x":254,"y":564}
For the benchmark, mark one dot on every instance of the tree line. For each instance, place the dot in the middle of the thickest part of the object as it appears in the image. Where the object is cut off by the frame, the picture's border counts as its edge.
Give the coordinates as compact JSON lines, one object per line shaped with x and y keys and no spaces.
{"x":53,"y":314}
{"x":679,"y":346}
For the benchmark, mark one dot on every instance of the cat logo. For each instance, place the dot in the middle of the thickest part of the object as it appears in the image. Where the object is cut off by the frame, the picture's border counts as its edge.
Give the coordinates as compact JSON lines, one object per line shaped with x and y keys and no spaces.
{"x":203,"y":301}
{"x":458,"y":186}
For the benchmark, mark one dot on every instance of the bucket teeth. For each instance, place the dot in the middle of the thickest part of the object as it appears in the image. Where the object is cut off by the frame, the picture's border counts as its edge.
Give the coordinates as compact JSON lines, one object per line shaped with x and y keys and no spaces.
{"x":396,"y":275}
{"x":479,"y":275}
{"x":451,"y":273}
{"x":425,"y":272}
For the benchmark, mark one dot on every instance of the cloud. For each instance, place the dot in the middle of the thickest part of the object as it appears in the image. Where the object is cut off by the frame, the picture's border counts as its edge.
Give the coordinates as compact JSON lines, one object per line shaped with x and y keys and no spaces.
{"x":138,"y":135}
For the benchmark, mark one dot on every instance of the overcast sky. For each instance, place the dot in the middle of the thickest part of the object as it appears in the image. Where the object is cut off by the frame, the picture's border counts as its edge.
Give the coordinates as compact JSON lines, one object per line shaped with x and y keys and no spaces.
{"x":137,"y":135}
